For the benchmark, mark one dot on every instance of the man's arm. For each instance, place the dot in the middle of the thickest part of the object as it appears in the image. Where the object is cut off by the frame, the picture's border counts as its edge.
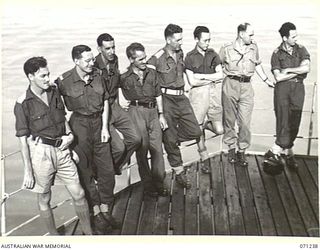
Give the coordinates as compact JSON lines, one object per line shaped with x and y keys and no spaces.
{"x":279,"y":76}
{"x":263,"y":76}
{"x":105,"y":126}
{"x":302,"y":69}
{"x":68,"y":138}
{"x":162,"y":119}
{"x":195,"y":80}
{"x":28,"y":179}
{"x":218,"y":76}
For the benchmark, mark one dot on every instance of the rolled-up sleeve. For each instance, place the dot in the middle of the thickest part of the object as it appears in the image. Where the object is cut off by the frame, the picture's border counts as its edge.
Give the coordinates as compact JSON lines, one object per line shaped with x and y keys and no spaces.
{"x":22,"y":125}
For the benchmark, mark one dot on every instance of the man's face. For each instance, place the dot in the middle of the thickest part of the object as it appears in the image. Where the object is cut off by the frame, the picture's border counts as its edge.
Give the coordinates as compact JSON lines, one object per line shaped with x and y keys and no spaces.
{"x":40,"y":78}
{"x":292,"y":39}
{"x":175,"y":41}
{"x":139,"y":61}
{"x":107,"y":49}
{"x":247,"y":36}
{"x":86,"y":62}
{"x":204,"y":41}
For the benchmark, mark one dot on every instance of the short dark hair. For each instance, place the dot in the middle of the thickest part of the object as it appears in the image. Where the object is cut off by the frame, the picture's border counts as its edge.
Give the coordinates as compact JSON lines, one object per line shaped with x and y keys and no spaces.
{"x":78,"y":50}
{"x":198,"y":30}
{"x":33,"y":64}
{"x":242,"y":27}
{"x":104,"y":37}
{"x":132,"y":48}
{"x":172,"y":29}
{"x":285,"y":29}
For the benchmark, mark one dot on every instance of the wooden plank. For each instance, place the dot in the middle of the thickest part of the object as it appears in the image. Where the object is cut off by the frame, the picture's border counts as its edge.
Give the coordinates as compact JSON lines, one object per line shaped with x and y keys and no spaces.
{"x":205,"y":203}
{"x":131,"y":219}
{"x":162,"y":213}
{"x":246,"y":200}
{"x":290,"y":206}
{"x":120,"y":207}
{"x":304,"y":207}
{"x":191,"y":202}
{"x":147,"y":216}
{"x":267,"y":227}
{"x":221,"y":219}
{"x":309,"y":187}
{"x":313,"y":168}
{"x":177,"y":210}
{"x":278,"y":212}
{"x":233,"y":199}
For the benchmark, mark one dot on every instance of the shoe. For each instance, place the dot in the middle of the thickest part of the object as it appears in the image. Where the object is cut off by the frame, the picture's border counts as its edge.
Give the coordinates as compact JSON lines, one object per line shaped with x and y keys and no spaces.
{"x":204,"y":166}
{"x":232,"y":158}
{"x":242,"y":159}
{"x":150,"y":193}
{"x":182,"y":179}
{"x":100,"y":226}
{"x":117,"y":171}
{"x":291,"y":162}
{"x":272,"y":164}
{"x":163,"y":191}
{"x":111,"y":220}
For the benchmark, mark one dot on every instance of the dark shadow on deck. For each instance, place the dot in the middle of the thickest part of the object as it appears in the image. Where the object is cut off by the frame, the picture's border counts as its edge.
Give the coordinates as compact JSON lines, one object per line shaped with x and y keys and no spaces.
{"x":230,"y":201}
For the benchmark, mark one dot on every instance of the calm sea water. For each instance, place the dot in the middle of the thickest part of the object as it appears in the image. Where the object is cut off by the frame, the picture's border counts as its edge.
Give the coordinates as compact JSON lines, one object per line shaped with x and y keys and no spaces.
{"x":52,"y":32}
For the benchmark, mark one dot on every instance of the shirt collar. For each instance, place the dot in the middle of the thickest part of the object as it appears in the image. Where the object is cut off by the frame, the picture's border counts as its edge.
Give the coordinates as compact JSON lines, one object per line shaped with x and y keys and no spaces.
{"x":283,"y":48}
{"x":165,"y":49}
{"x":31,"y":95}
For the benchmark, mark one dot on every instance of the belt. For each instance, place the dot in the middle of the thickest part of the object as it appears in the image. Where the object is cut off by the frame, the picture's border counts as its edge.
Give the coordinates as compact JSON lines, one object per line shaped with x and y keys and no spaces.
{"x":294,"y":80}
{"x":240,"y":78}
{"x":144,"y":104}
{"x":94,"y":115}
{"x":48,"y":141}
{"x":172,"y":91}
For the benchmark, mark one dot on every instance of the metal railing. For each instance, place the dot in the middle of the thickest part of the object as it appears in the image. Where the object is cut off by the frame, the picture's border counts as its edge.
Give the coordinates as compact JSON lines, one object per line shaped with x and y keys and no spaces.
{"x":5,"y":196}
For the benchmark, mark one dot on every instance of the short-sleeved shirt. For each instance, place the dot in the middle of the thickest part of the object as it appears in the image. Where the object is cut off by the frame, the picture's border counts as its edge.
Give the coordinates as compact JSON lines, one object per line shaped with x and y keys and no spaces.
{"x":169,"y":71}
{"x":134,"y":90}
{"x":81,"y":97}
{"x":34,"y":117}
{"x":239,"y":63}
{"x":282,"y":59}
{"x":200,"y":64}
{"x":111,"y":75}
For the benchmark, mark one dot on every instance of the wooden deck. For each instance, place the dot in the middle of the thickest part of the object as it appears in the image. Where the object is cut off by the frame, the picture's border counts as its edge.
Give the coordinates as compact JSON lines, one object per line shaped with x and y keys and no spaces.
{"x":230,"y":201}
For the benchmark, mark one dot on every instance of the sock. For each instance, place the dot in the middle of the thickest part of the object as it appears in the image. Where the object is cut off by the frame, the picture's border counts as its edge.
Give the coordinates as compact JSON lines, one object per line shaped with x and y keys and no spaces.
{"x":104,"y":208}
{"x":96,"y":210}
{"x":276,"y":149}
{"x":178,"y":170}
{"x":82,"y":212}
{"x":47,"y":217}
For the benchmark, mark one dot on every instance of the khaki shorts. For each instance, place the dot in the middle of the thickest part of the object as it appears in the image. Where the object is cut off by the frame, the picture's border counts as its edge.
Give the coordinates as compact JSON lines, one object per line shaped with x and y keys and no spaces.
{"x":206,"y":102}
{"x":51,"y":166}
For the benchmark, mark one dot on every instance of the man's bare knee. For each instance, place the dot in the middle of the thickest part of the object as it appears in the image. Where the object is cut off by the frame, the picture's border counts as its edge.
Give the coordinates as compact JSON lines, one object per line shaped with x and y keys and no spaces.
{"x":44,"y":200}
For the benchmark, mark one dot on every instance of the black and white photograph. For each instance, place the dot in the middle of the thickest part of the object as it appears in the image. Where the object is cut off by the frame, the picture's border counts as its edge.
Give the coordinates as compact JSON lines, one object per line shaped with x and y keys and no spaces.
{"x":164,"y":118}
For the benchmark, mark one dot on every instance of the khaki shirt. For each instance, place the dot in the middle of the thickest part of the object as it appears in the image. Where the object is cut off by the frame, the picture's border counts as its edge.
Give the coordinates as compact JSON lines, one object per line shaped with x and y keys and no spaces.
{"x":239,"y":63}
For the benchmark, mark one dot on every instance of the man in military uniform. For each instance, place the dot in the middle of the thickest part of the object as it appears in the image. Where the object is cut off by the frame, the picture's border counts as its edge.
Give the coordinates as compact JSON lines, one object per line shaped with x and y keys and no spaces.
{"x":107,"y":61}
{"x":45,"y":137}
{"x":240,"y":59}
{"x":85,"y":95}
{"x":182,"y":123}
{"x":140,"y":86}
{"x":204,"y":72}
{"x":290,"y":64}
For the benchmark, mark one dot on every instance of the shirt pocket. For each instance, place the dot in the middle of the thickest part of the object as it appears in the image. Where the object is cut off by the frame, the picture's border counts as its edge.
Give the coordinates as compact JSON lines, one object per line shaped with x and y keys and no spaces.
{"x":39,"y":121}
{"x":74,"y":98}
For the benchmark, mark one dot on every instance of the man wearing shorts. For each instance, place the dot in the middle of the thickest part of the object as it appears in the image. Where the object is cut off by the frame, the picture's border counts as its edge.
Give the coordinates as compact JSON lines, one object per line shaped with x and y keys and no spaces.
{"x":44,"y":136}
{"x":204,"y":72}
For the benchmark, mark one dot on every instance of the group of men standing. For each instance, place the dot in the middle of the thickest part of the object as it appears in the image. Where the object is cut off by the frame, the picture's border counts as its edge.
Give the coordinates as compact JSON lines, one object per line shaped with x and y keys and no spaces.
{"x":147,"y":105}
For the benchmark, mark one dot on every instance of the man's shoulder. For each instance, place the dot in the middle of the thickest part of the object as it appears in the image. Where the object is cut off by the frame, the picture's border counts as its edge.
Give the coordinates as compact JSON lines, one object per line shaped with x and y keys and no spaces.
{"x":125,"y":74}
{"x":22,"y":98}
{"x":158,"y":54}
{"x":65,"y":76}
{"x":227,"y":45}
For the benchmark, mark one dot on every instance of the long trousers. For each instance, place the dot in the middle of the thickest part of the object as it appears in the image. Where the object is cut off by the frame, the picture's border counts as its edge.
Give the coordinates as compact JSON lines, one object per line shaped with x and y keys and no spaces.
{"x":237,"y":102}
{"x":288,"y":104}
{"x":182,"y":126}
{"x":95,"y":159}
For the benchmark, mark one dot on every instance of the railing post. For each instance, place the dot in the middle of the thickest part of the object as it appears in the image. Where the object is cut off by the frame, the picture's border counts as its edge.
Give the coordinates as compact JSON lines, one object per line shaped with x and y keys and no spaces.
{"x":3,"y":198}
{"x":314,"y":94}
